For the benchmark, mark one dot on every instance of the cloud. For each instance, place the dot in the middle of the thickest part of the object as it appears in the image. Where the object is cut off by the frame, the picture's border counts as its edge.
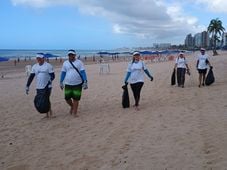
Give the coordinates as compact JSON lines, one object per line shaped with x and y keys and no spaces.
{"x":147,"y":19}
{"x":216,"y":6}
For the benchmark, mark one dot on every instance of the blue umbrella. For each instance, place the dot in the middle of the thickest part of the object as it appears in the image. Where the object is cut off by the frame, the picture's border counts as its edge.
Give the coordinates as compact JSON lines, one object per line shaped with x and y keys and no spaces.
{"x":103,"y":53}
{"x":113,"y":53}
{"x":49,"y":55}
{"x":126,"y":52}
{"x":164,"y":52}
{"x":3,"y":59}
{"x":149,"y":52}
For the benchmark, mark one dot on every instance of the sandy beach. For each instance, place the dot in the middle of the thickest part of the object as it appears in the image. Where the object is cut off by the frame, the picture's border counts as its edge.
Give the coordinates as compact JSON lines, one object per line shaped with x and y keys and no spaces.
{"x":175,"y":128}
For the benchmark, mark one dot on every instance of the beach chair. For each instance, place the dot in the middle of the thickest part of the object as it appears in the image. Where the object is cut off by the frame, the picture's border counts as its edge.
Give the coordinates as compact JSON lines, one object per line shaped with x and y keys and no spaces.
{"x":28,"y":69}
{"x":104,"y":68}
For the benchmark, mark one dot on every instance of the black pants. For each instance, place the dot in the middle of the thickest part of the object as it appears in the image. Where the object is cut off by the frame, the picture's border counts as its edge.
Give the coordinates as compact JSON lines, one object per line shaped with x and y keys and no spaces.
{"x":136,"y":89}
{"x":181,"y":76}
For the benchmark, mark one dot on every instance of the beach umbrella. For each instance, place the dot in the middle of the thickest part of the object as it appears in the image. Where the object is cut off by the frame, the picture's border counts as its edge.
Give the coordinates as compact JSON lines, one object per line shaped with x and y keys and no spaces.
{"x":126,"y":52}
{"x":113,"y":53}
{"x":164,"y":52}
{"x":145,"y":52}
{"x":49,"y":55}
{"x":149,"y":52}
{"x":3,"y":59}
{"x":103,"y":53}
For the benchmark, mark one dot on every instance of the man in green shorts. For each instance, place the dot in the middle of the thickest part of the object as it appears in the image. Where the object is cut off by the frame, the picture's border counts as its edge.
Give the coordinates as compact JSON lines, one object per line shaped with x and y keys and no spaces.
{"x":73,"y":79}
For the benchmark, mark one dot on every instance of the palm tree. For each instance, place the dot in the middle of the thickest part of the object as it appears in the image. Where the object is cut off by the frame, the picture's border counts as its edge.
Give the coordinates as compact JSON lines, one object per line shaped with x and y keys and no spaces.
{"x":216,"y":30}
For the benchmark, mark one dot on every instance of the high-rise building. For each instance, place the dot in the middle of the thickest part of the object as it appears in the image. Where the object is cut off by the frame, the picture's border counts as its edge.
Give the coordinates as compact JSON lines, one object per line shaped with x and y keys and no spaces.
{"x":198,"y":40}
{"x":189,"y":42}
{"x":225,"y":39}
{"x":205,"y":39}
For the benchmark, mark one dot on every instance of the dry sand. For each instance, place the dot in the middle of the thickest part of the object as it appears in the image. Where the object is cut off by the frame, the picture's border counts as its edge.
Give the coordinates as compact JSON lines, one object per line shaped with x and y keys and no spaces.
{"x":176,"y":128}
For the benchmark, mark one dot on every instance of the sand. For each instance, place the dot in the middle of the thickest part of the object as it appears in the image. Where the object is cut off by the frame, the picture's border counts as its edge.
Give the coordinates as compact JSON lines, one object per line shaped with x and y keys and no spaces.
{"x":175,"y":128}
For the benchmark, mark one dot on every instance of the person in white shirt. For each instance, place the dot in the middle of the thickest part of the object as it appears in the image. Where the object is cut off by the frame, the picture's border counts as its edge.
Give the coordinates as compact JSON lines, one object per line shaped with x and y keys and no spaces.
{"x":73,"y":78}
{"x":44,"y":73}
{"x":181,"y":65}
{"x":135,"y":76}
{"x":202,"y":65}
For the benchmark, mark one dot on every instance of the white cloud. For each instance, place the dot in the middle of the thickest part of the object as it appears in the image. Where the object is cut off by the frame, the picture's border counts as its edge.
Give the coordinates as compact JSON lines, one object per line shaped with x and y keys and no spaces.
{"x":151,"y":19}
{"x":33,"y":3}
{"x":217,"y":6}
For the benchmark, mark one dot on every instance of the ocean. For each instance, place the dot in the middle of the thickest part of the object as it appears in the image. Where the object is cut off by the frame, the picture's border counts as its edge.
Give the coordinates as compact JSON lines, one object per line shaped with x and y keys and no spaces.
{"x":14,"y":54}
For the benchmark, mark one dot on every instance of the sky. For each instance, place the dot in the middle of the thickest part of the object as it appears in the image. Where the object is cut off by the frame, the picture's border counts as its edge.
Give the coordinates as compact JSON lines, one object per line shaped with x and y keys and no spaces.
{"x":103,"y":24}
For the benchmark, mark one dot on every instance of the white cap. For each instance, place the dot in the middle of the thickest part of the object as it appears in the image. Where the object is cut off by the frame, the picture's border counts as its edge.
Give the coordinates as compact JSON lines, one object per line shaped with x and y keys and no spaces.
{"x":181,"y":53}
{"x":40,"y":55}
{"x":202,"y":49}
{"x":71,"y":52}
{"x":136,"y":53}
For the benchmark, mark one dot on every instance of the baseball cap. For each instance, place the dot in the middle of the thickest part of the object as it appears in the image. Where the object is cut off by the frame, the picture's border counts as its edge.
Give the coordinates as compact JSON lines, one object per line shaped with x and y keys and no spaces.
{"x":71,"y":52}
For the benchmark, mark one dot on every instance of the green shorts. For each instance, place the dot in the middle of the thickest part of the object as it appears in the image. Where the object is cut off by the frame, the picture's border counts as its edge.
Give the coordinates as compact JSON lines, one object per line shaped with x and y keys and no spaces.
{"x":73,"y":92}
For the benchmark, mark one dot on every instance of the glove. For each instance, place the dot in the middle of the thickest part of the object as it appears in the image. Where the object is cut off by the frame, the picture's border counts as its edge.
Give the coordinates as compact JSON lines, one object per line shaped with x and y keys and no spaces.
{"x":211,"y":67}
{"x":151,"y":78}
{"x":84,"y":85}
{"x":61,"y":85}
{"x":26,"y":90}
{"x":126,"y":83}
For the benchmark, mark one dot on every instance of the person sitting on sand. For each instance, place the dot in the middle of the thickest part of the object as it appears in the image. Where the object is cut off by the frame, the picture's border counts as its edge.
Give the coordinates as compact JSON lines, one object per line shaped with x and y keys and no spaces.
{"x":181,"y":65}
{"x":44,"y":73}
{"x":74,"y":77}
{"x":135,"y":76}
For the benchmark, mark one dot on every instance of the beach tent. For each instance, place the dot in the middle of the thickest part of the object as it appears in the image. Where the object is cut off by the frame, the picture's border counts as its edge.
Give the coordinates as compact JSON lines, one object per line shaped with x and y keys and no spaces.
{"x":3,"y":59}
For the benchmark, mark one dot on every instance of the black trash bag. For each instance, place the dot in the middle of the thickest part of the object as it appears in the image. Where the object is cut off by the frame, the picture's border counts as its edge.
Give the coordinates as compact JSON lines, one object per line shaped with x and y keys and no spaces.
{"x":173,"y":78}
{"x":41,"y":101}
{"x":210,"y":77}
{"x":125,"y":97}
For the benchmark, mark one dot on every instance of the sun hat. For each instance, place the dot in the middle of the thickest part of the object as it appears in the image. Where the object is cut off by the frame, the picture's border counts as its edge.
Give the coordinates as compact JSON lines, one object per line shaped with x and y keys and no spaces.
{"x":40,"y":55}
{"x":136,"y":53}
{"x":71,"y":52}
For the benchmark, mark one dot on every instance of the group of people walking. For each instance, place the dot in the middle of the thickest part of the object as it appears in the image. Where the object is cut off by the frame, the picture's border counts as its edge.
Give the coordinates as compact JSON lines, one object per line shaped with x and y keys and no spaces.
{"x":73,"y":79}
{"x":73,"y":76}
{"x":202,"y":64}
